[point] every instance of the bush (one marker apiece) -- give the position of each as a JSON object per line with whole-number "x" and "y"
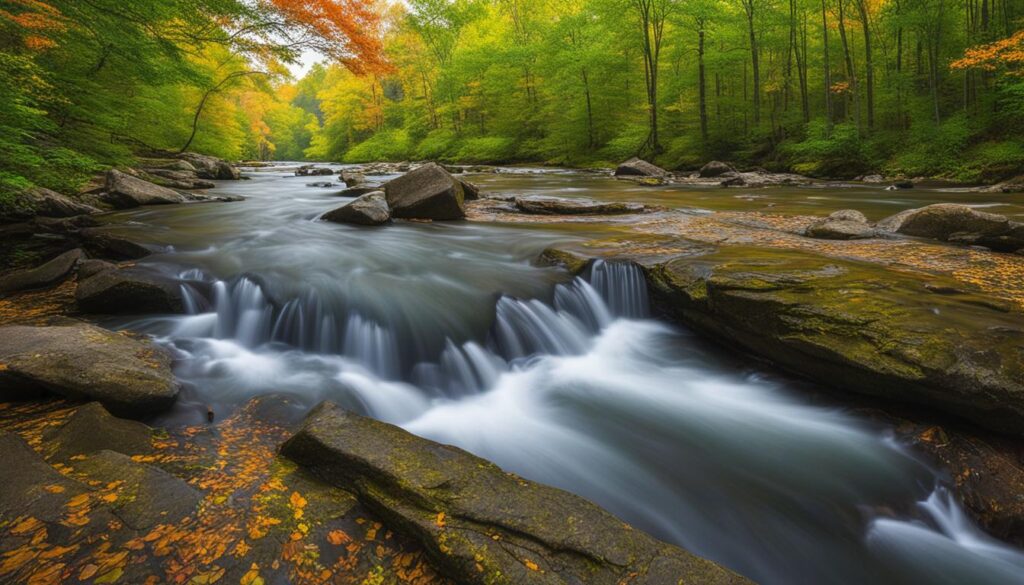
{"x": 933, "y": 149}
{"x": 438, "y": 145}
{"x": 836, "y": 153}
{"x": 386, "y": 145}
{"x": 487, "y": 149}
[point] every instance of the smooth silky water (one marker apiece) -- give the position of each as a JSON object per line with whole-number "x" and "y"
{"x": 451, "y": 331}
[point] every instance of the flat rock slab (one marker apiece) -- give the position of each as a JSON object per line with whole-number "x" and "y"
{"x": 42, "y": 276}
{"x": 544, "y": 205}
{"x": 147, "y": 496}
{"x": 481, "y": 524}
{"x": 90, "y": 429}
{"x": 128, "y": 375}
{"x": 857, "y": 327}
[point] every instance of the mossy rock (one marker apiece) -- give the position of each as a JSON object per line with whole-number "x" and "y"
{"x": 479, "y": 523}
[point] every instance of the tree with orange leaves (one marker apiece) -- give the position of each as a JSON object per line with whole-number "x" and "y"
{"x": 1005, "y": 54}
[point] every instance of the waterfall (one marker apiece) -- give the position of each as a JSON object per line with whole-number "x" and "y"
{"x": 241, "y": 311}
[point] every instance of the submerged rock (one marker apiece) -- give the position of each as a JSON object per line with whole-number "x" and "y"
{"x": 356, "y": 191}
{"x": 128, "y": 290}
{"x": 481, "y": 524}
{"x": 838, "y": 229}
{"x": 639, "y": 167}
{"x": 428, "y": 192}
{"x": 544, "y": 205}
{"x": 845, "y": 224}
{"x": 42, "y": 276}
{"x": 368, "y": 209}
{"x": 127, "y": 375}
{"x": 715, "y": 169}
{"x": 352, "y": 179}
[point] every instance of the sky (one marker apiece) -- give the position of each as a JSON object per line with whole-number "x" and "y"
{"x": 305, "y": 62}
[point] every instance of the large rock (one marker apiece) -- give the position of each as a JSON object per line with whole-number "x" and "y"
{"x": 848, "y": 215}
{"x": 210, "y": 167}
{"x": 544, "y": 205}
{"x": 356, "y": 191}
{"x": 99, "y": 242}
{"x": 369, "y": 209}
{"x": 715, "y": 169}
{"x": 856, "y": 327}
{"x": 351, "y": 179}
{"x": 428, "y": 192}
{"x": 90, "y": 429}
{"x": 470, "y": 191}
{"x": 31, "y": 487}
{"x": 1014, "y": 185}
{"x": 128, "y": 291}
{"x": 479, "y": 523}
{"x": 42, "y": 276}
{"x": 124, "y": 191}
{"x": 639, "y": 167}
{"x": 128, "y": 375}
{"x": 49, "y": 203}
{"x": 176, "y": 179}
{"x": 958, "y": 223}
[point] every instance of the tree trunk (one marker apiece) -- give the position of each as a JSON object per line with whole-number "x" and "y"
{"x": 828, "y": 71}
{"x": 701, "y": 85}
{"x": 869, "y": 75}
{"x": 748, "y": 6}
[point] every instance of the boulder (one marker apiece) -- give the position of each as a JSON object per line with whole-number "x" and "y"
{"x": 47, "y": 203}
{"x": 470, "y": 191}
{"x": 356, "y": 191}
{"x": 42, "y": 276}
{"x": 128, "y": 375}
{"x": 128, "y": 291}
{"x": 321, "y": 184}
{"x": 210, "y": 167}
{"x": 848, "y": 215}
{"x": 92, "y": 266}
{"x": 311, "y": 171}
{"x": 480, "y": 524}
{"x": 106, "y": 245}
{"x": 544, "y": 205}
{"x": 428, "y": 192}
{"x": 125, "y": 191}
{"x": 178, "y": 179}
{"x": 147, "y": 495}
{"x": 351, "y": 179}
{"x": 737, "y": 181}
{"x": 715, "y": 169}
{"x": 855, "y": 327}
{"x": 943, "y": 220}
{"x": 901, "y": 184}
{"x": 839, "y": 229}
{"x": 369, "y": 209}
{"x": 90, "y": 429}
{"x": 636, "y": 166}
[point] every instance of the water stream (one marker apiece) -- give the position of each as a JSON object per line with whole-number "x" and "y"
{"x": 450, "y": 331}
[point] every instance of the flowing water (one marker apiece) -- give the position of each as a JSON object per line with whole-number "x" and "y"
{"x": 451, "y": 331}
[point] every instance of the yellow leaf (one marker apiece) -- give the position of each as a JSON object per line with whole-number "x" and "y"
{"x": 252, "y": 577}
{"x": 87, "y": 572}
{"x": 337, "y": 537}
{"x": 531, "y": 565}
{"x": 54, "y": 489}
{"x": 109, "y": 577}
{"x": 209, "y": 577}
{"x": 109, "y": 498}
{"x": 440, "y": 520}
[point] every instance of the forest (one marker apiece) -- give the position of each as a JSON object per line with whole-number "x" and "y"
{"x": 829, "y": 88}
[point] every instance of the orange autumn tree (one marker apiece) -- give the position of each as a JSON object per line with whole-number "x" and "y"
{"x": 1005, "y": 54}
{"x": 347, "y": 31}
{"x": 31, "y": 22}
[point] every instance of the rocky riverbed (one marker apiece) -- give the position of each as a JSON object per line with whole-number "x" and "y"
{"x": 912, "y": 324}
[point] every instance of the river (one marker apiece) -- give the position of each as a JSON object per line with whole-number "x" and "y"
{"x": 451, "y": 331}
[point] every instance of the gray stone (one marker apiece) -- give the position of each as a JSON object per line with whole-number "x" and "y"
{"x": 42, "y": 276}
{"x": 715, "y": 169}
{"x": 636, "y": 166}
{"x": 369, "y": 209}
{"x": 128, "y": 291}
{"x": 838, "y": 229}
{"x": 128, "y": 375}
{"x": 90, "y": 429}
{"x": 125, "y": 191}
{"x": 428, "y": 192}
{"x": 481, "y": 524}
{"x": 544, "y": 205}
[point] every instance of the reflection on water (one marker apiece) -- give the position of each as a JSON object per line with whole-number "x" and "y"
{"x": 451, "y": 332}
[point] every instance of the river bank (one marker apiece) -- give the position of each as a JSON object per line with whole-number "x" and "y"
{"x": 274, "y": 302}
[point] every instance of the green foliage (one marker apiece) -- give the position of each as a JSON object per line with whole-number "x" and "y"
{"x": 388, "y": 145}
{"x": 836, "y": 151}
